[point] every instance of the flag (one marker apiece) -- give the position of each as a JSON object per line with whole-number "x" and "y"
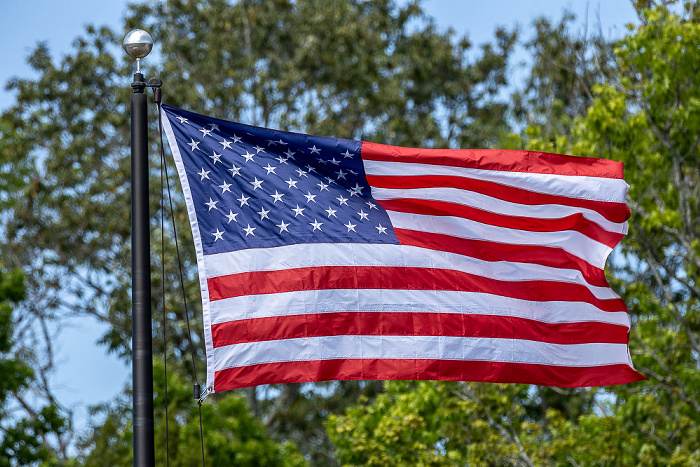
{"x": 329, "y": 259}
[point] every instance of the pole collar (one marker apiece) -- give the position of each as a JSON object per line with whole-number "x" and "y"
{"x": 139, "y": 83}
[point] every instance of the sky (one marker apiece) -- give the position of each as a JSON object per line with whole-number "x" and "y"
{"x": 86, "y": 375}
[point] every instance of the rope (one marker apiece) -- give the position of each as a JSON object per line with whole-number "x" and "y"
{"x": 182, "y": 285}
{"x": 162, "y": 274}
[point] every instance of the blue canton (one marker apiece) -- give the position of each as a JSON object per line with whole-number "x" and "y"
{"x": 255, "y": 187}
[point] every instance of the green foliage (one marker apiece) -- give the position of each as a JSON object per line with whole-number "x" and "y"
{"x": 23, "y": 439}
{"x": 649, "y": 120}
{"x": 566, "y": 66}
{"x": 232, "y": 436}
{"x": 437, "y": 423}
{"x": 14, "y": 374}
{"x": 441, "y": 423}
{"x": 395, "y": 429}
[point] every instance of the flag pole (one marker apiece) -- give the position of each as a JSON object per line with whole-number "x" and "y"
{"x": 138, "y": 44}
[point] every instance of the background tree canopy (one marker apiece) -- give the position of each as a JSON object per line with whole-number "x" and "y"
{"x": 388, "y": 76}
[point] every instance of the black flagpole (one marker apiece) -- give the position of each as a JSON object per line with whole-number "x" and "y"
{"x": 138, "y": 44}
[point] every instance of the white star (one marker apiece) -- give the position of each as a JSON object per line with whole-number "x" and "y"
{"x": 309, "y": 197}
{"x": 351, "y": 226}
{"x": 263, "y": 213}
{"x": 321, "y": 160}
{"x": 322, "y": 186}
{"x": 216, "y": 157}
{"x": 269, "y": 169}
{"x": 183, "y": 120}
{"x": 292, "y": 183}
{"x": 315, "y": 150}
{"x": 236, "y": 139}
{"x": 225, "y": 187}
{"x": 214, "y": 126}
{"x": 282, "y": 160}
{"x": 248, "y": 156}
{"x": 372, "y": 205}
{"x": 334, "y": 162}
{"x": 382, "y": 230}
{"x": 298, "y": 211}
{"x": 204, "y": 174}
{"x": 289, "y": 153}
{"x": 346, "y": 154}
{"x": 352, "y": 172}
{"x": 277, "y": 197}
{"x": 256, "y": 184}
{"x": 249, "y": 230}
{"x": 193, "y": 144}
{"x": 211, "y": 204}
{"x": 301, "y": 173}
{"x": 331, "y": 212}
{"x": 231, "y": 216}
{"x": 316, "y": 225}
{"x": 310, "y": 169}
{"x": 279, "y": 141}
{"x": 205, "y": 132}
{"x": 283, "y": 226}
{"x": 363, "y": 215}
{"x": 218, "y": 235}
{"x": 226, "y": 144}
{"x": 341, "y": 174}
{"x": 330, "y": 180}
{"x": 357, "y": 190}
{"x": 342, "y": 201}
{"x": 243, "y": 200}
{"x": 258, "y": 149}
{"x": 235, "y": 170}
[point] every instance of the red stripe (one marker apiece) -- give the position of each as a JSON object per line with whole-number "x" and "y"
{"x": 494, "y": 251}
{"x": 445, "y": 370}
{"x": 496, "y": 159}
{"x": 575, "y": 222}
{"x": 398, "y": 278}
{"x": 414, "y": 324}
{"x": 614, "y": 212}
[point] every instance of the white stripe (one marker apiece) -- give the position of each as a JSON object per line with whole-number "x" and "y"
{"x": 305, "y": 255}
{"x": 498, "y": 206}
{"x": 575, "y": 243}
{"x": 307, "y": 302}
{"x": 201, "y": 266}
{"x": 419, "y": 347}
{"x": 571, "y": 186}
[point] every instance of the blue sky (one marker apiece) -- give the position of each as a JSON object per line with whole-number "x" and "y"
{"x": 86, "y": 374}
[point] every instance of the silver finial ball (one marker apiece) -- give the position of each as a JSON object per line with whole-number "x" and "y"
{"x": 138, "y": 43}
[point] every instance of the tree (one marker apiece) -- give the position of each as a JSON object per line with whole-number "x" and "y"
{"x": 645, "y": 114}
{"x": 566, "y": 65}
{"x": 232, "y": 436}
{"x": 647, "y": 118}
{"x": 23, "y": 437}
{"x": 440, "y": 423}
{"x": 446, "y": 423}
{"x": 388, "y": 75}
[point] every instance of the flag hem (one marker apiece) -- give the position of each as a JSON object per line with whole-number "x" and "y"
{"x": 199, "y": 249}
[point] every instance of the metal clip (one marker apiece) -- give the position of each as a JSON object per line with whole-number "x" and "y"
{"x": 204, "y": 395}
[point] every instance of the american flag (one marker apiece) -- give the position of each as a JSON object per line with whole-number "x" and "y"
{"x": 329, "y": 259}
